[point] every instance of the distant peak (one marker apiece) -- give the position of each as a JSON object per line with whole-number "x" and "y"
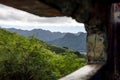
{"x": 69, "y": 35}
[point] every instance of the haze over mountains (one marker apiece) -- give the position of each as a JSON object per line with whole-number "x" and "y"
{"x": 70, "y": 40}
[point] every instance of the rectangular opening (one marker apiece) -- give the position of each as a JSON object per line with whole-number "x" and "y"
{"x": 35, "y": 54}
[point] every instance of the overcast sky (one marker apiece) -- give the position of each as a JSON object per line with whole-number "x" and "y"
{"x": 10, "y": 17}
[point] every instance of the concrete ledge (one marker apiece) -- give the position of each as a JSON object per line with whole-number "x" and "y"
{"x": 83, "y": 73}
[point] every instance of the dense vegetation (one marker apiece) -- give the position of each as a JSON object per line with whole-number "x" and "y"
{"x": 32, "y": 59}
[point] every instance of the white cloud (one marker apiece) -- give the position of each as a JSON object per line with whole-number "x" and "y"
{"x": 14, "y": 17}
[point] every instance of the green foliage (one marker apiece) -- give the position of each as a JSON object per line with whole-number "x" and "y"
{"x": 32, "y": 59}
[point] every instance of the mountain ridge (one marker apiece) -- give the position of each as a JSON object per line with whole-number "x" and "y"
{"x": 39, "y": 33}
{"x": 74, "y": 41}
{"x": 71, "y": 41}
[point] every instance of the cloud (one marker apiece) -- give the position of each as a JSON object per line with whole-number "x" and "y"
{"x": 12, "y": 16}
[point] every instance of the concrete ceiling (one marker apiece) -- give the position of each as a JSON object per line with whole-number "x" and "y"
{"x": 32, "y": 6}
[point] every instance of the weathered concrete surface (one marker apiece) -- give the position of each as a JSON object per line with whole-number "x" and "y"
{"x": 84, "y": 73}
{"x": 96, "y": 48}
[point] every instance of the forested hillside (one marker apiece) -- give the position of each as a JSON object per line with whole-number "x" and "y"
{"x": 24, "y": 58}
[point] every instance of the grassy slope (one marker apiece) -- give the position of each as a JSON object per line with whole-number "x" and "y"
{"x": 32, "y": 59}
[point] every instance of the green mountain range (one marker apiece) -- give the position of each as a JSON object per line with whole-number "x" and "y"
{"x": 44, "y": 35}
{"x": 29, "y": 58}
{"x": 70, "y": 40}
